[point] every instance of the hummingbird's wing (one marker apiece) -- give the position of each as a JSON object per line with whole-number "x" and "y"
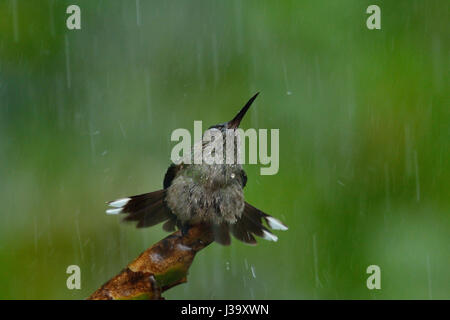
{"x": 171, "y": 173}
{"x": 147, "y": 209}
{"x": 244, "y": 178}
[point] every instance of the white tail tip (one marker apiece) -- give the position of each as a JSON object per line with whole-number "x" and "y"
{"x": 275, "y": 224}
{"x": 114, "y": 211}
{"x": 119, "y": 203}
{"x": 269, "y": 236}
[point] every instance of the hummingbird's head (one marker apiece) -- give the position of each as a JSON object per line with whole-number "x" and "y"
{"x": 234, "y": 123}
{"x": 217, "y": 136}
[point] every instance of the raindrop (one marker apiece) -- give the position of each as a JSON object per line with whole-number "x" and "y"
{"x": 386, "y": 178}
{"x": 215, "y": 59}
{"x": 286, "y": 81}
{"x": 316, "y": 264}
{"x": 416, "y": 167}
{"x": 77, "y": 228}
{"x": 138, "y": 13}
{"x": 15, "y": 21}
{"x": 429, "y": 278}
{"x": 253, "y": 272}
{"x": 68, "y": 76}
{"x": 122, "y": 130}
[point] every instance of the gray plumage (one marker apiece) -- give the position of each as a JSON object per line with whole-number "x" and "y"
{"x": 207, "y": 193}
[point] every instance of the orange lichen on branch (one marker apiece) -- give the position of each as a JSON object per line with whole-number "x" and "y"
{"x": 161, "y": 267}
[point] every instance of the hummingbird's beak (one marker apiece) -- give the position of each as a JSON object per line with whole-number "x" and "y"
{"x": 233, "y": 124}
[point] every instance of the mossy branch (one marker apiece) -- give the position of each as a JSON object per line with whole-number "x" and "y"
{"x": 157, "y": 269}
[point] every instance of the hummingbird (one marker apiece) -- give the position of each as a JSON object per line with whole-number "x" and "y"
{"x": 211, "y": 194}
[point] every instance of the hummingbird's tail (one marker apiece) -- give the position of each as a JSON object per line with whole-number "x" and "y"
{"x": 147, "y": 209}
{"x": 251, "y": 224}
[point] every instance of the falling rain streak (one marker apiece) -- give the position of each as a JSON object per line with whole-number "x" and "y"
{"x": 430, "y": 289}
{"x": 138, "y": 12}
{"x": 316, "y": 263}
{"x": 68, "y": 75}
{"x": 15, "y": 21}
{"x": 416, "y": 170}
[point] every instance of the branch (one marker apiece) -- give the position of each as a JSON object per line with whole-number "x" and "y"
{"x": 157, "y": 269}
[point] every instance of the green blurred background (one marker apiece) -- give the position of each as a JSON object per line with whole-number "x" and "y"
{"x": 86, "y": 116}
